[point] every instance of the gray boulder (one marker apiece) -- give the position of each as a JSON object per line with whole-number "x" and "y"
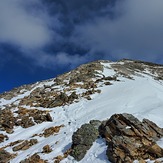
{"x": 83, "y": 139}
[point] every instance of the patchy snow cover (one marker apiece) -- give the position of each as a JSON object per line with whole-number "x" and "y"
{"x": 17, "y": 98}
{"x": 108, "y": 71}
{"x": 142, "y": 97}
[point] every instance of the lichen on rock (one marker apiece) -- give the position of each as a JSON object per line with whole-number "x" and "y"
{"x": 83, "y": 139}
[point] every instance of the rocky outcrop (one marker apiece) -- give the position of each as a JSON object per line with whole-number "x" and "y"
{"x": 59, "y": 158}
{"x": 83, "y": 73}
{"x": 52, "y": 130}
{"x": 3, "y": 138}
{"x": 46, "y": 149}
{"x": 39, "y": 98}
{"x": 16, "y": 91}
{"x": 23, "y": 117}
{"x": 129, "y": 139}
{"x": 25, "y": 145}
{"x": 7, "y": 120}
{"x": 33, "y": 159}
{"x": 83, "y": 139}
{"x": 5, "y": 156}
{"x": 127, "y": 68}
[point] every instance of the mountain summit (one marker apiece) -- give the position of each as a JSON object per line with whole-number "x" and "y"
{"x": 84, "y": 115}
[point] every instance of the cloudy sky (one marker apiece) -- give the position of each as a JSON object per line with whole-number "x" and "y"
{"x": 40, "y": 39}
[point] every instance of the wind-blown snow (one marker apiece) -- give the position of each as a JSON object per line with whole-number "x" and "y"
{"x": 142, "y": 97}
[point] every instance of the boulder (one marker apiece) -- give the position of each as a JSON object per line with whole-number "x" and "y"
{"x": 129, "y": 139}
{"x": 83, "y": 139}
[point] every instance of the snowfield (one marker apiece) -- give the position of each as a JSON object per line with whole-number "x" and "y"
{"x": 141, "y": 96}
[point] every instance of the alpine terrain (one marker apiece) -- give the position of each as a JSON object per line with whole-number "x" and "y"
{"x": 101, "y": 112}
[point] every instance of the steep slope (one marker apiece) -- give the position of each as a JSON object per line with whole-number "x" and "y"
{"x": 49, "y": 112}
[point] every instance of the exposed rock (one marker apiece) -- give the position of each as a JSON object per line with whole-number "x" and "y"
{"x": 73, "y": 96}
{"x": 63, "y": 99}
{"x": 52, "y": 130}
{"x": 5, "y": 156}
{"x": 107, "y": 83}
{"x": 34, "y": 159}
{"x": 25, "y": 145}
{"x": 83, "y": 139}
{"x": 39, "y": 118}
{"x": 24, "y": 117}
{"x": 59, "y": 158}
{"x": 42, "y": 99}
{"x": 88, "y": 97}
{"x": 25, "y": 122}
{"x": 129, "y": 139}
{"x": 16, "y": 91}
{"x": 110, "y": 78}
{"x": 3, "y": 138}
{"x": 46, "y": 149}
{"x": 85, "y": 72}
{"x": 7, "y": 120}
{"x": 37, "y": 115}
{"x": 15, "y": 142}
{"x": 48, "y": 117}
{"x": 48, "y": 96}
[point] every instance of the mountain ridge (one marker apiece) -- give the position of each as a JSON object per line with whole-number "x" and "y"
{"x": 45, "y": 114}
{"x": 97, "y": 61}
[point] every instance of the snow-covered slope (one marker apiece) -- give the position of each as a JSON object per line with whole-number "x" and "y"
{"x": 135, "y": 90}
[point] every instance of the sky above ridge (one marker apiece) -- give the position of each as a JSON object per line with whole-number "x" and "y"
{"x": 40, "y": 39}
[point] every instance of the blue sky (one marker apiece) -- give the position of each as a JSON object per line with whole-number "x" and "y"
{"x": 40, "y": 39}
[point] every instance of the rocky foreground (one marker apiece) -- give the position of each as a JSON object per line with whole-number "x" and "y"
{"x": 127, "y": 139}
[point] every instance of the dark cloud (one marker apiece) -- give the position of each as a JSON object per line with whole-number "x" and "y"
{"x": 57, "y": 33}
{"x": 136, "y": 32}
{"x": 43, "y": 30}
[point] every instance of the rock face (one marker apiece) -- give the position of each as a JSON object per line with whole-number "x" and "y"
{"x": 129, "y": 139}
{"x": 83, "y": 139}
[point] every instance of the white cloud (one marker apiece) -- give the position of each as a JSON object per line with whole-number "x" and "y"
{"x": 23, "y": 27}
